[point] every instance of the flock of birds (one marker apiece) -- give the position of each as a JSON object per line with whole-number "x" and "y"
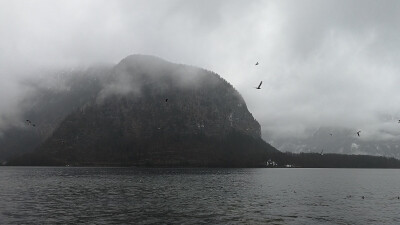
{"x": 363, "y": 197}
{"x": 166, "y": 100}
{"x": 259, "y": 87}
{"x": 350, "y": 196}
{"x": 29, "y": 122}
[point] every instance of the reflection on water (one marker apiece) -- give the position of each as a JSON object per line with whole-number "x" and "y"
{"x": 32, "y": 195}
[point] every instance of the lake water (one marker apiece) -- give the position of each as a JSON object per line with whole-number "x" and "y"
{"x": 31, "y": 195}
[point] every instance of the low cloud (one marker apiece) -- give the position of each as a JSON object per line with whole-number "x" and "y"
{"x": 322, "y": 63}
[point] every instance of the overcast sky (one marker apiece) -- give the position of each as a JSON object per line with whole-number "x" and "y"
{"x": 322, "y": 63}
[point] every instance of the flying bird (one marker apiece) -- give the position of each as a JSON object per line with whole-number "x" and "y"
{"x": 166, "y": 100}
{"x": 256, "y": 63}
{"x": 331, "y": 134}
{"x": 259, "y": 86}
{"x": 30, "y": 123}
{"x": 399, "y": 121}
{"x": 358, "y": 133}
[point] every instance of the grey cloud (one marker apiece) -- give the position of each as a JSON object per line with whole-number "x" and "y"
{"x": 323, "y": 63}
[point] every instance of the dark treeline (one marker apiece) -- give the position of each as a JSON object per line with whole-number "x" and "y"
{"x": 158, "y": 151}
{"x": 315, "y": 160}
{"x": 229, "y": 158}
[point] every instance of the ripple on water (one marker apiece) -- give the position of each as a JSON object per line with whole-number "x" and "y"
{"x": 198, "y": 196}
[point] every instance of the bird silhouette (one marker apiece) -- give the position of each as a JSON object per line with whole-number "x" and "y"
{"x": 399, "y": 121}
{"x": 166, "y": 100}
{"x": 331, "y": 134}
{"x": 259, "y": 86}
{"x": 30, "y": 123}
{"x": 256, "y": 63}
{"x": 358, "y": 133}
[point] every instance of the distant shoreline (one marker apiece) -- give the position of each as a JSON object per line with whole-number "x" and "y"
{"x": 277, "y": 160}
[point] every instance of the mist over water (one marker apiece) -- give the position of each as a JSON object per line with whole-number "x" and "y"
{"x": 198, "y": 196}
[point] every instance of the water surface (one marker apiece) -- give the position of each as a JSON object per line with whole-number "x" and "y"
{"x": 32, "y": 195}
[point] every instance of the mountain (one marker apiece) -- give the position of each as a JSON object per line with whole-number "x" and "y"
{"x": 342, "y": 141}
{"x": 51, "y": 99}
{"x": 148, "y": 111}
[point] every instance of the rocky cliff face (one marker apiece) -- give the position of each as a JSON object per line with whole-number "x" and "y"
{"x": 152, "y": 112}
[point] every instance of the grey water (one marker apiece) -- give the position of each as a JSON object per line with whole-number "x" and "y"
{"x": 67, "y": 195}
